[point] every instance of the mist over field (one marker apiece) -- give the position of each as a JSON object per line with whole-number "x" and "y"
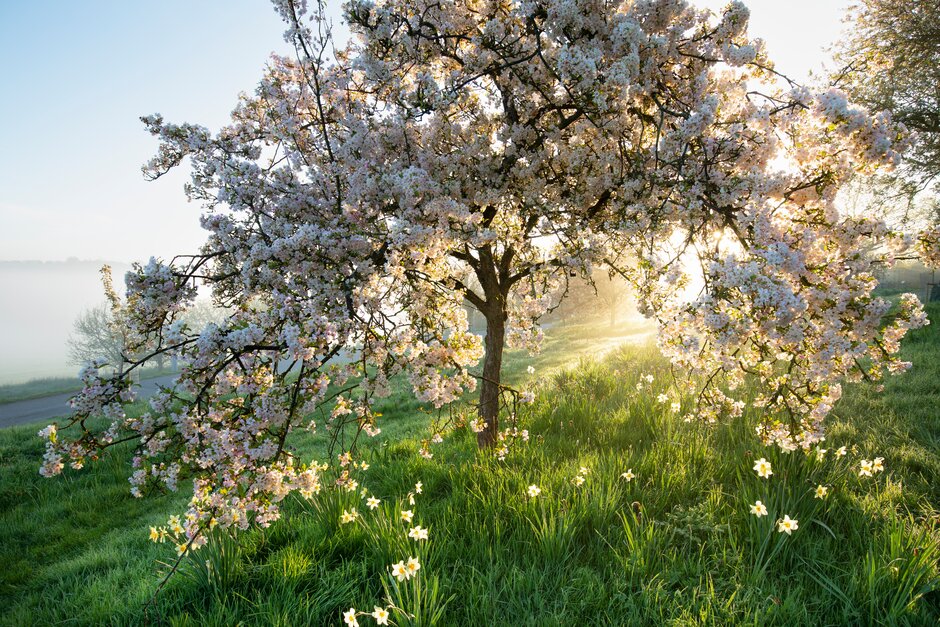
{"x": 40, "y": 301}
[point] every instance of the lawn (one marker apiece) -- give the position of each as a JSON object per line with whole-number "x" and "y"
{"x": 676, "y": 544}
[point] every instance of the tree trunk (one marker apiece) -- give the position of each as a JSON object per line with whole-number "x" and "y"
{"x": 492, "y": 366}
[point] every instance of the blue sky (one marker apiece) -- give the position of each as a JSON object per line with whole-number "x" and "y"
{"x": 76, "y": 76}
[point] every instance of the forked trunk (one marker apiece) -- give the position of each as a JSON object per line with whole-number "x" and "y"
{"x": 489, "y": 387}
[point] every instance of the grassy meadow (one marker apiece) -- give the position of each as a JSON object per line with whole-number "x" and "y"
{"x": 37, "y": 388}
{"x": 672, "y": 543}
{"x": 47, "y": 386}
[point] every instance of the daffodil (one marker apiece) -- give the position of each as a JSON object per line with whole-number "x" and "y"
{"x": 759, "y": 509}
{"x": 372, "y": 502}
{"x": 762, "y": 466}
{"x": 175, "y": 525}
{"x": 413, "y": 566}
{"x": 787, "y": 525}
{"x": 380, "y": 615}
{"x": 865, "y": 468}
{"x": 348, "y": 516}
{"x": 628, "y": 476}
{"x": 349, "y": 617}
{"x": 407, "y": 515}
{"x": 534, "y": 491}
{"x": 399, "y": 571}
{"x": 821, "y": 492}
{"x": 417, "y": 533}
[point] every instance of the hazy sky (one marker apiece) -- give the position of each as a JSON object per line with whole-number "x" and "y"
{"x": 78, "y": 75}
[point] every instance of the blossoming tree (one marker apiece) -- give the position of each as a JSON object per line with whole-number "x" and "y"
{"x": 481, "y": 152}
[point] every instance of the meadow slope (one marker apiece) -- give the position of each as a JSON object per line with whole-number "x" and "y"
{"x": 673, "y": 542}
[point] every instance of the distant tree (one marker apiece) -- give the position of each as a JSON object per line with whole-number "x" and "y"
{"x": 95, "y": 337}
{"x": 890, "y": 60}
{"x": 600, "y": 294}
{"x": 613, "y": 294}
{"x": 100, "y": 333}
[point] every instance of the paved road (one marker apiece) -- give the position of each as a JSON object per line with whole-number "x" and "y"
{"x": 50, "y": 407}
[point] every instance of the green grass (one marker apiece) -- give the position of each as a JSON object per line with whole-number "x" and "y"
{"x": 38, "y": 388}
{"x": 675, "y": 546}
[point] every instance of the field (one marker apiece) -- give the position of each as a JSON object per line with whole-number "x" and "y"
{"x": 675, "y": 544}
{"x": 38, "y": 388}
